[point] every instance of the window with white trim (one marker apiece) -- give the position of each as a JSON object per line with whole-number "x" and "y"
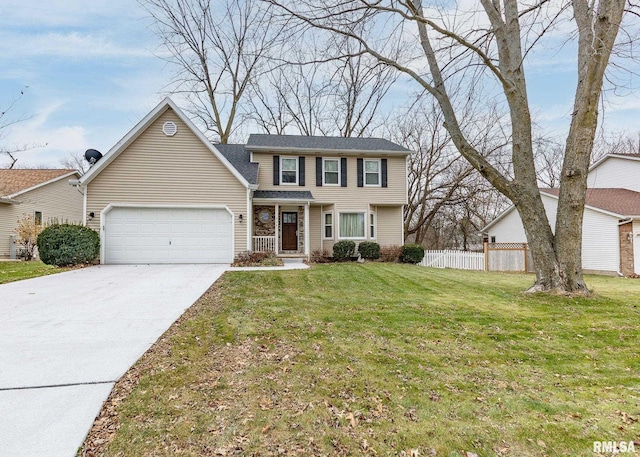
{"x": 372, "y": 226}
{"x": 352, "y": 225}
{"x": 289, "y": 170}
{"x": 372, "y": 172}
{"x": 37, "y": 217}
{"x": 327, "y": 226}
{"x": 330, "y": 172}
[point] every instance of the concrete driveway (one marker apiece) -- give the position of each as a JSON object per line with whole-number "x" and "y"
{"x": 66, "y": 338}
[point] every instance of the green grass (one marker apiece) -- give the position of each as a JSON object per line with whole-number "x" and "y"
{"x": 384, "y": 359}
{"x": 15, "y": 271}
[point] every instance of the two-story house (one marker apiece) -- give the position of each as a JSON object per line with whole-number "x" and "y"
{"x": 611, "y": 224}
{"x": 166, "y": 194}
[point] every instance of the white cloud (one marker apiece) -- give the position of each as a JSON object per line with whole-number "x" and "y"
{"x": 68, "y": 45}
{"x": 64, "y": 13}
{"x": 47, "y": 143}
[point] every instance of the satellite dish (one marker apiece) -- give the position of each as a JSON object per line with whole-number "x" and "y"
{"x": 92, "y": 156}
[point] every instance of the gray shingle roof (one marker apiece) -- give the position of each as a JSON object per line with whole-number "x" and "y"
{"x": 323, "y": 143}
{"x": 240, "y": 158}
{"x": 284, "y": 194}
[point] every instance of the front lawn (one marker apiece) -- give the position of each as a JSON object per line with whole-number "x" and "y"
{"x": 383, "y": 359}
{"x": 15, "y": 271}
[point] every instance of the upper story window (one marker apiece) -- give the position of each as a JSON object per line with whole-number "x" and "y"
{"x": 372, "y": 172}
{"x": 331, "y": 172}
{"x": 289, "y": 170}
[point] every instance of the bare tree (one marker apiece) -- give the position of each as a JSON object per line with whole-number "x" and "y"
{"x": 312, "y": 93}
{"x": 75, "y": 161}
{"x": 438, "y": 46}
{"x": 548, "y": 155}
{"x": 443, "y": 187}
{"x": 218, "y": 47}
{"x": 7, "y": 120}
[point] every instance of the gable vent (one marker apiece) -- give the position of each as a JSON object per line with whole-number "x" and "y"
{"x": 169, "y": 128}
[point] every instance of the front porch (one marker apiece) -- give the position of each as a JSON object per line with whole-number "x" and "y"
{"x": 281, "y": 225}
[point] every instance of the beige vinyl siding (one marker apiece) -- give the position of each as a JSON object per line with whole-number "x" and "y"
{"x": 395, "y": 193}
{"x": 160, "y": 170}
{"x": 389, "y": 226}
{"x": 6, "y": 228}
{"x": 347, "y": 199}
{"x": 315, "y": 228}
{"x": 58, "y": 202}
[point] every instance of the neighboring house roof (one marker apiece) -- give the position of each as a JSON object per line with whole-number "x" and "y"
{"x": 15, "y": 182}
{"x": 283, "y": 194}
{"x": 135, "y": 132}
{"x": 622, "y": 202}
{"x": 294, "y": 143}
{"x": 240, "y": 158}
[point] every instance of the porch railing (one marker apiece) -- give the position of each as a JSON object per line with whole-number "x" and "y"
{"x": 264, "y": 243}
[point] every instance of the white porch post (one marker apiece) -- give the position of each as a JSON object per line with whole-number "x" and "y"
{"x": 277, "y": 222}
{"x": 250, "y": 246}
{"x": 306, "y": 230}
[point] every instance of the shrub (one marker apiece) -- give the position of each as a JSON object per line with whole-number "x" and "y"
{"x": 343, "y": 250}
{"x": 27, "y": 231}
{"x": 390, "y": 253}
{"x": 257, "y": 259}
{"x": 68, "y": 244}
{"x": 412, "y": 253}
{"x": 369, "y": 250}
{"x": 320, "y": 256}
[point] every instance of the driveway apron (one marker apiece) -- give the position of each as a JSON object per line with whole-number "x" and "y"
{"x": 66, "y": 338}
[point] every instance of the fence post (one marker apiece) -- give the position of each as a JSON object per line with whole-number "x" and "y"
{"x": 486, "y": 255}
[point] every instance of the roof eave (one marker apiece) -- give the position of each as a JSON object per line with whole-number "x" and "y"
{"x": 282, "y": 200}
{"x": 42, "y": 184}
{"x": 289, "y": 150}
{"x": 141, "y": 126}
{"x": 592, "y": 208}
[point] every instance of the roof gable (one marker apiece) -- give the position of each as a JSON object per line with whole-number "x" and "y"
{"x": 630, "y": 156}
{"x": 303, "y": 143}
{"x": 620, "y": 203}
{"x": 146, "y": 122}
{"x": 14, "y": 182}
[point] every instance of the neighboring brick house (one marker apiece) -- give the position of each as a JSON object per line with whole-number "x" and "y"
{"x": 611, "y": 226}
{"x": 44, "y": 194}
{"x": 166, "y": 194}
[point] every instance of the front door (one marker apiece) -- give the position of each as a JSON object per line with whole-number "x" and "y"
{"x": 289, "y": 231}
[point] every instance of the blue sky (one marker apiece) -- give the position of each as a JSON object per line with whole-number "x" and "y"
{"x": 93, "y": 71}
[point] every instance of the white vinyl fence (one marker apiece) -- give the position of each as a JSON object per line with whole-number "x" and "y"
{"x": 461, "y": 260}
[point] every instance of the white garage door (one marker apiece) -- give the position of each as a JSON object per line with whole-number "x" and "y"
{"x": 168, "y": 235}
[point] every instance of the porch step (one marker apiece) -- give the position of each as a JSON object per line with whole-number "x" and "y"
{"x": 291, "y": 260}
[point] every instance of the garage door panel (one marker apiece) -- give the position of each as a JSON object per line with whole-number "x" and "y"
{"x": 168, "y": 235}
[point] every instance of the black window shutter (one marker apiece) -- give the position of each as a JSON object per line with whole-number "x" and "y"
{"x": 276, "y": 170}
{"x": 319, "y": 171}
{"x": 360, "y": 173}
{"x": 301, "y": 171}
{"x": 343, "y": 172}
{"x": 384, "y": 172}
